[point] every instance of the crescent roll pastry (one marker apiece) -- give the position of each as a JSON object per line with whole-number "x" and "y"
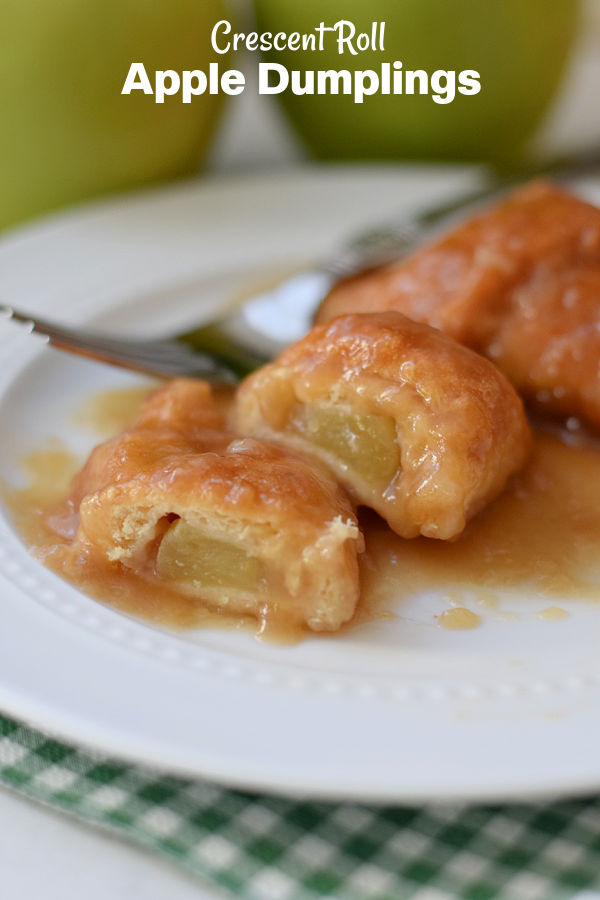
{"x": 518, "y": 283}
{"x": 184, "y": 405}
{"x": 549, "y": 344}
{"x": 414, "y": 425}
{"x": 247, "y": 526}
{"x": 462, "y": 283}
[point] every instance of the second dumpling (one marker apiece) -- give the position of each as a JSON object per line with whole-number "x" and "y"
{"x": 417, "y": 427}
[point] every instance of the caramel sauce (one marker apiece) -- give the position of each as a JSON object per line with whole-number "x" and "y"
{"x": 109, "y": 412}
{"x": 553, "y": 613}
{"x": 540, "y": 538}
{"x": 459, "y": 618}
{"x": 48, "y": 471}
{"x": 106, "y": 413}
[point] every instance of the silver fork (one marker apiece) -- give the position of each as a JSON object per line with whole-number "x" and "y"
{"x": 230, "y": 347}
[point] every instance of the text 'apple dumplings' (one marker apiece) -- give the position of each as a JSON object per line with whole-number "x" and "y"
{"x": 247, "y": 526}
{"x": 415, "y": 426}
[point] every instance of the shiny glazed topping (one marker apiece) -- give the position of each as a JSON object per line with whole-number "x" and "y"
{"x": 518, "y": 282}
{"x": 459, "y": 618}
{"x": 458, "y": 425}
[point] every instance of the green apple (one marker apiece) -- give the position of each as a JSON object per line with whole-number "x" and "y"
{"x": 519, "y": 47}
{"x": 67, "y": 132}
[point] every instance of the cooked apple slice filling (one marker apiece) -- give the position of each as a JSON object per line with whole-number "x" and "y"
{"x": 187, "y": 555}
{"x": 366, "y": 444}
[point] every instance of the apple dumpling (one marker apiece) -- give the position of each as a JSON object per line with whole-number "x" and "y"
{"x": 519, "y": 283}
{"x": 246, "y": 526}
{"x": 415, "y": 426}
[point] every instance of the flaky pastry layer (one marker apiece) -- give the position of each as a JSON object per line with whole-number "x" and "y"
{"x": 282, "y": 512}
{"x": 458, "y": 425}
{"x": 518, "y": 283}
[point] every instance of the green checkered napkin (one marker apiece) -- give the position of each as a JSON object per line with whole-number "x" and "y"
{"x": 266, "y": 848}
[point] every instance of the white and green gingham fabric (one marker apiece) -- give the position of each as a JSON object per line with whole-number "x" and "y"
{"x": 268, "y": 848}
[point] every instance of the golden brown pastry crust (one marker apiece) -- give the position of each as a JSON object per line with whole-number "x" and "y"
{"x": 184, "y": 405}
{"x": 460, "y": 426}
{"x": 516, "y": 283}
{"x": 265, "y": 499}
{"x": 549, "y": 343}
{"x": 461, "y": 283}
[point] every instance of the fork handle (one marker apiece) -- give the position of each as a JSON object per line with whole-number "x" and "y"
{"x": 231, "y": 355}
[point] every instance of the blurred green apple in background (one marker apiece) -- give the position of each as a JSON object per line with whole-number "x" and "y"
{"x": 67, "y": 133}
{"x": 519, "y": 47}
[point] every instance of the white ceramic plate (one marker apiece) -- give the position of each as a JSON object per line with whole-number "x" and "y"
{"x": 395, "y": 711}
